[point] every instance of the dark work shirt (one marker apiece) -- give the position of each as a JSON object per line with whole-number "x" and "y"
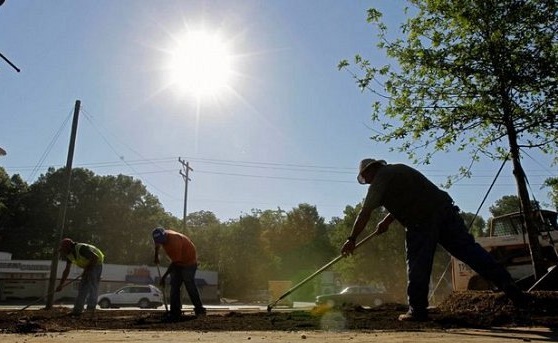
{"x": 405, "y": 193}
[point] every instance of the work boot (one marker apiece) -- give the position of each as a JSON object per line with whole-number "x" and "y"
{"x": 201, "y": 312}
{"x": 519, "y": 298}
{"x": 413, "y": 316}
{"x": 91, "y": 313}
{"x": 170, "y": 318}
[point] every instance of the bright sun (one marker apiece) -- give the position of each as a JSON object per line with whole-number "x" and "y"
{"x": 200, "y": 64}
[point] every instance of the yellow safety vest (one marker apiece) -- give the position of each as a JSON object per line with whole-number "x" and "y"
{"x": 81, "y": 261}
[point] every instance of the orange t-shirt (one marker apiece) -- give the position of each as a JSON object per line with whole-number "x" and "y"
{"x": 180, "y": 249}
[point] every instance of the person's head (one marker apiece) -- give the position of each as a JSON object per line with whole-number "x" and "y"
{"x": 159, "y": 235}
{"x": 367, "y": 169}
{"x": 66, "y": 245}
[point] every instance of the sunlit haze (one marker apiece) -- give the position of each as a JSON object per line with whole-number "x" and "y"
{"x": 200, "y": 63}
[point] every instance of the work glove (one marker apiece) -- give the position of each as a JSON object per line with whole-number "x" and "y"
{"x": 348, "y": 247}
{"x": 382, "y": 226}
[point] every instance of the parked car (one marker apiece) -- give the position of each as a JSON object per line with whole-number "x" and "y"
{"x": 355, "y": 295}
{"x": 143, "y": 296}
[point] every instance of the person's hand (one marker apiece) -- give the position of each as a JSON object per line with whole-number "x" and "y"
{"x": 348, "y": 247}
{"x": 382, "y": 227}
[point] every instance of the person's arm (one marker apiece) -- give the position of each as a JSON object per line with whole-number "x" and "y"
{"x": 371, "y": 202}
{"x": 359, "y": 225}
{"x": 383, "y": 226}
{"x": 64, "y": 276}
{"x": 167, "y": 272}
{"x": 156, "y": 258}
{"x": 169, "y": 269}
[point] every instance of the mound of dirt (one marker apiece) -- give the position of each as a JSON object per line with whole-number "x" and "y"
{"x": 459, "y": 310}
{"x": 488, "y": 309}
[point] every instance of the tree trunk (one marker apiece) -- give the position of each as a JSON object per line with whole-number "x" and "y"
{"x": 525, "y": 201}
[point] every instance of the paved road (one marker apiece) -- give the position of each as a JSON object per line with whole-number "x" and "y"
{"x": 186, "y": 308}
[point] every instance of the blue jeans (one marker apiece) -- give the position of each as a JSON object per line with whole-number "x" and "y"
{"x": 88, "y": 288}
{"x": 186, "y": 275}
{"x": 448, "y": 229}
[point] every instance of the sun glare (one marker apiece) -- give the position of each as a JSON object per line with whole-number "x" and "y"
{"x": 200, "y": 64}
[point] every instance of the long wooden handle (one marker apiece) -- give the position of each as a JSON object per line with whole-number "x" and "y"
{"x": 316, "y": 273}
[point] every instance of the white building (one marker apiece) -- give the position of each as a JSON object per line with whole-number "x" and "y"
{"x": 28, "y": 279}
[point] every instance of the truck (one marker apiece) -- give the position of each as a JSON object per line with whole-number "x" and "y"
{"x": 507, "y": 241}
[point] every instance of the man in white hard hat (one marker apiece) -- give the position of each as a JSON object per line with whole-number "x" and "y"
{"x": 430, "y": 218}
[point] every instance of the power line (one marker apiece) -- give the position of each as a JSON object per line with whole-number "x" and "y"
{"x": 131, "y": 163}
{"x": 239, "y": 168}
{"x": 90, "y": 119}
{"x": 48, "y": 148}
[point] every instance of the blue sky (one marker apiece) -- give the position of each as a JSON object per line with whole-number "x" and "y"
{"x": 288, "y": 128}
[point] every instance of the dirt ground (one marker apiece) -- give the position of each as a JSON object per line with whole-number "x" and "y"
{"x": 472, "y": 316}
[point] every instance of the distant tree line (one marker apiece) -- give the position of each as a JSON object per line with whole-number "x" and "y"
{"x": 117, "y": 214}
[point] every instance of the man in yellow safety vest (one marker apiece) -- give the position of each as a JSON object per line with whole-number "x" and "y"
{"x": 90, "y": 258}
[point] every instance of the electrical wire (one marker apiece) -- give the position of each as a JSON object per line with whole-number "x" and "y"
{"x": 48, "y": 149}
{"x": 90, "y": 119}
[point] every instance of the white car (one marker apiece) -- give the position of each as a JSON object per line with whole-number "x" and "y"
{"x": 356, "y": 295}
{"x": 143, "y": 296}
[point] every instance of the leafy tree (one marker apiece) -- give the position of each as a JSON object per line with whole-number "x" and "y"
{"x": 297, "y": 239}
{"x": 244, "y": 267}
{"x": 308, "y": 249}
{"x": 115, "y": 213}
{"x": 504, "y": 205}
{"x": 206, "y": 232}
{"x": 106, "y": 211}
{"x": 475, "y": 224}
{"x": 12, "y": 192}
{"x": 479, "y": 75}
{"x": 553, "y": 184}
{"x": 38, "y": 235}
{"x": 380, "y": 261}
{"x": 12, "y": 189}
{"x": 201, "y": 219}
{"x": 272, "y": 222}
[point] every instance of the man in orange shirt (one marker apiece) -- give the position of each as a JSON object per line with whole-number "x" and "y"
{"x": 182, "y": 253}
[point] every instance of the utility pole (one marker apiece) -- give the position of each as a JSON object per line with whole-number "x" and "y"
{"x": 62, "y": 213}
{"x": 184, "y": 172}
{"x": 8, "y": 61}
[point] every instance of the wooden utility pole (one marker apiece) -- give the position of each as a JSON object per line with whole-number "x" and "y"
{"x": 62, "y": 213}
{"x": 9, "y": 62}
{"x": 184, "y": 172}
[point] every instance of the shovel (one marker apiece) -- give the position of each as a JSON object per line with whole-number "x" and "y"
{"x": 44, "y": 297}
{"x": 164, "y": 296}
{"x": 329, "y": 264}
